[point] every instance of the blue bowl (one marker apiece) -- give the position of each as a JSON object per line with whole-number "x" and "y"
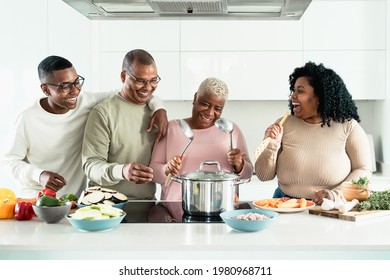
{"x": 248, "y": 225}
{"x": 95, "y": 225}
{"x": 117, "y": 205}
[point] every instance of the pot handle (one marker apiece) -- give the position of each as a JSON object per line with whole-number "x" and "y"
{"x": 210, "y": 162}
{"x": 177, "y": 179}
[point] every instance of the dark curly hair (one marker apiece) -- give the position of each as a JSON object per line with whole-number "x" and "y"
{"x": 50, "y": 64}
{"x": 335, "y": 102}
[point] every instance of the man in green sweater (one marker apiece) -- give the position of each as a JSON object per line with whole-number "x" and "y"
{"x": 116, "y": 147}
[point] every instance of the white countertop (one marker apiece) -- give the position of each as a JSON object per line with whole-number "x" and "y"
{"x": 291, "y": 236}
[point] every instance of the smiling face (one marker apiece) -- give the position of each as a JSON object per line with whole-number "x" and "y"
{"x": 57, "y": 101}
{"x": 133, "y": 89}
{"x": 305, "y": 102}
{"x": 206, "y": 110}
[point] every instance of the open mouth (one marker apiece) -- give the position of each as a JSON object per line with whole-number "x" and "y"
{"x": 71, "y": 100}
{"x": 143, "y": 94}
{"x": 296, "y": 107}
{"x": 205, "y": 121}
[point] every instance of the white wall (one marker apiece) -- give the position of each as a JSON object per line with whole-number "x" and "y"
{"x": 382, "y": 109}
{"x": 30, "y": 31}
{"x": 253, "y": 57}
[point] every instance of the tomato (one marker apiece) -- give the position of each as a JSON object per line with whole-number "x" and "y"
{"x": 47, "y": 192}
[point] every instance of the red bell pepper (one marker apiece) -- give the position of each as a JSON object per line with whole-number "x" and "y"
{"x": 47, "y": 192}
{"x": 24, "y": 211}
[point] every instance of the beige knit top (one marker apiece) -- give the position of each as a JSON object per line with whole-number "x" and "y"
{"x": 313, "y": 156}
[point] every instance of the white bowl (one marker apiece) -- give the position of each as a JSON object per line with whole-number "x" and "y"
{"x": 251, "y": 225}
{"x": 53, "y": 214}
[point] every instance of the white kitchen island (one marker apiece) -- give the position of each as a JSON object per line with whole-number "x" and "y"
{"x": 291, "y": 236}
{"x": 299, "y": 236}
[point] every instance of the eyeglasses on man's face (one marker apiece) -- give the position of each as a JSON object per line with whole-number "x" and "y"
{"x": 67, "y": 87}
{"x": 141, "y": 82}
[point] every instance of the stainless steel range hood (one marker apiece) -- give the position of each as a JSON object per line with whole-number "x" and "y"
{"x": 195, "y": 9}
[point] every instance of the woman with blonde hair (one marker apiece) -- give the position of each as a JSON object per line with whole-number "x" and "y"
{"x": 210, "y": 143}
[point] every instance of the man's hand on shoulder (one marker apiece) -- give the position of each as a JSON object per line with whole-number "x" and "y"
{"x": 160, "y": 119}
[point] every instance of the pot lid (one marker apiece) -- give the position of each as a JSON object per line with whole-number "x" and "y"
{"x": 203, "y": 175}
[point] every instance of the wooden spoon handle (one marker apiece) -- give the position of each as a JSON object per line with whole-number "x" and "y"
{"x": 168, "y": 180}
{"x": 266, "y": 141}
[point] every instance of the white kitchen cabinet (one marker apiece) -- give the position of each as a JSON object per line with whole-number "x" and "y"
{"x": 249, "y": 75}
{"x": 153, "y": 36}
{"x": 363, "y": 72}
{"x": 68, "y": 36}
{"x": 23, "y": 45}
{"x": 111, "y": 40}
{"x": 345, "y": 25}
{"x": 255, "y": 58}
{"x": 245, "y": 35}
{"x": 23, "y": 29}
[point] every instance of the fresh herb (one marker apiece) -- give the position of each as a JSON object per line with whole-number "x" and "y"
{"x": 377, "y": 201}
{"x": 362, "y": 182}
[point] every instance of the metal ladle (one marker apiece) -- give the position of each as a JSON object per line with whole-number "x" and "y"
{"x": 190, "y": 135}
{"x": 226, "y": 126}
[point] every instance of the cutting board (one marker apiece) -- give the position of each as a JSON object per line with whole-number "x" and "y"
{"x": 353, "y": 216}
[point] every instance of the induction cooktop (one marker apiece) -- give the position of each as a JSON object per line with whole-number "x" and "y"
{"x": 151, "y": 211}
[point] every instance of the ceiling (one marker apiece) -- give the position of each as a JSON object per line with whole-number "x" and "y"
{"x": 195, "y": 9}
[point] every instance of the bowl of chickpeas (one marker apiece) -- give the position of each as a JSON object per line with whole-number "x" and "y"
{"x": 249, "y": 220}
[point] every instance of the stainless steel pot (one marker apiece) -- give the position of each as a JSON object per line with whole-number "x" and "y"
{"x": 208, "y": 193}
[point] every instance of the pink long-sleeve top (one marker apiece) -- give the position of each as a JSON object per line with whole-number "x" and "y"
{"x": 208, "y": 144}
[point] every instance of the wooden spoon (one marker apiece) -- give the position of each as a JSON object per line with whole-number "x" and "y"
{"x": 266, "y": 141}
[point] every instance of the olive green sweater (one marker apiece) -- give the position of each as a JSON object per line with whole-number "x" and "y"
{"x": 310, "y": 156}
{"x": 115, "y": 134}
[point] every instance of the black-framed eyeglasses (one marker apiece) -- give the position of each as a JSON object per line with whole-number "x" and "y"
{"x": 67, "y": 87}
{"x": 141, "y": 82}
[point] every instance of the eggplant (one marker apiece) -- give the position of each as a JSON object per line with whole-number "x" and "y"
{"x": 119, "y": 197}
{"x": 106, "y": 190}
{"x": 99, "y": 195}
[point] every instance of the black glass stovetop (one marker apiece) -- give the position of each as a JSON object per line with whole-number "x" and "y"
{"x": 145, "y": 211}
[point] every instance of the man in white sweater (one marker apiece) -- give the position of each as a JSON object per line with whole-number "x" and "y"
{"x": 46, "y": 149}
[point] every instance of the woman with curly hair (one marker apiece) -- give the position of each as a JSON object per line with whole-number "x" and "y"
{"x": 320, "y": 144}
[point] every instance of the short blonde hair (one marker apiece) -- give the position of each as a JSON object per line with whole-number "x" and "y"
{"x": 214, "y": 86}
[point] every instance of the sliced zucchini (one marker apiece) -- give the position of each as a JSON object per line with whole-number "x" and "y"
{"x": 92, "y": 214}
{"x": 108, "y": 202}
